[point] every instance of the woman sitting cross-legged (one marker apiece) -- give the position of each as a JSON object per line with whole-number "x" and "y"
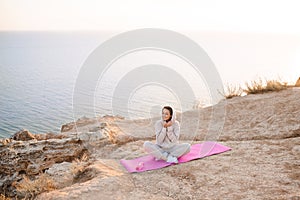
{"x": 167, "y": 132}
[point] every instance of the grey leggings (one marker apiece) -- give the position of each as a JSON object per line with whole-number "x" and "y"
{"x": 177, "y": 150}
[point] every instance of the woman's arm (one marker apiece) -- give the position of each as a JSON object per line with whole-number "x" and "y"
{"x": 160, "y": 132}
{"x": 173, "y": 135}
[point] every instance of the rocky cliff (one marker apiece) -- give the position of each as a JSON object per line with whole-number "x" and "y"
{"x": 82, "y": 162}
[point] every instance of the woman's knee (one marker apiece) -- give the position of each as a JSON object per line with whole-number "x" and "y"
{"x": 147, "y": 144}
{"x": 187, "y": 146}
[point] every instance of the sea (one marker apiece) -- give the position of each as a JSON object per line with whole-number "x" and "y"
{"x": 38, "y": 76}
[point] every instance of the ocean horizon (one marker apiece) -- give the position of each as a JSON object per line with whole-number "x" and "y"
{"x": 38, "y": 74}
{"x": 39, "y": 71}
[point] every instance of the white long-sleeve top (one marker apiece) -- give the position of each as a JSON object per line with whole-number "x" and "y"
{"x": 167, "y": 137}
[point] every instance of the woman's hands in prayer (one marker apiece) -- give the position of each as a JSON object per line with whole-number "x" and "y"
{"x": 167, "y": 124}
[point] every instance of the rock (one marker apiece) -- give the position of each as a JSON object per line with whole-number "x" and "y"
{"x": 296, "y": 150}
{"x": 90, "y": 124}
{"x": 84, "y": 121}
{"x": 32, "y": 157}
{"x": 66, "y": 127}
{"x": 101, "y": 180}
{"x": 47, "y": 136}
{"x": 61, "y": 174}
{"x": 5, "y": 141}
{"x": 23, "y": 135}
{"x": 298, "y": 83}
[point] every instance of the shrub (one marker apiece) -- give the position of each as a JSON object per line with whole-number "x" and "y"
{"x": 31, "y": 188}
{"x": 275, "y": 85}
{"x": 232, "y": 91}
{"x": 260, "y": 86}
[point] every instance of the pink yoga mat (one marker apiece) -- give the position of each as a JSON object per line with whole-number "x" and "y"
{"x": 148, "y": 162}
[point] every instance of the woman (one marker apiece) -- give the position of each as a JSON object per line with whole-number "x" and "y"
{"x": 167, "y": 132}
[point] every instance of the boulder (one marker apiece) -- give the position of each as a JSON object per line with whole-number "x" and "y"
{"x": 298, "y": 83}
{"x": 29, "y": 157}
{"x": 23, "y": 135}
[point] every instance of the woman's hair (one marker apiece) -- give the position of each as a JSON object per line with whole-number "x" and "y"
{"x": 170, "y": 110}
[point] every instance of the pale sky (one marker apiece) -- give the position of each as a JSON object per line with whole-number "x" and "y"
{"x": 238, "y": 57}
{"x": 275, "y": 16}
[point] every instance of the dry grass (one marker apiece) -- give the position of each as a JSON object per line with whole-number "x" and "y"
{"x": 260, "y": 86}
{"x": 78, "y": 165}
{"x": 31, "y": 188}
{"x": 254, "y": 87}
{"x": 232, "y": 91}
{"x": 3, "y": 197}
{"x": 79, "y": 169}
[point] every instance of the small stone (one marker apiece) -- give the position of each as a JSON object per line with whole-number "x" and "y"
{"x": 66, "y": 127}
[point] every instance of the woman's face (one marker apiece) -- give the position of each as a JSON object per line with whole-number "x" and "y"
{"x": 166, "y": 114}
